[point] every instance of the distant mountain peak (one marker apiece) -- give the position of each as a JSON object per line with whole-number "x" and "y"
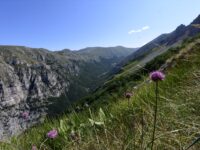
{"x": 197, "y": 20}
{"x": 180, "y": 27}
{"x": 163, "y": 42}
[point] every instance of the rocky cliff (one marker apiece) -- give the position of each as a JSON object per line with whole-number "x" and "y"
{"x": 30, "y": 77}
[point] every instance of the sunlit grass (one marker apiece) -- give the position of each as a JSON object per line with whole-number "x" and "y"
{"x": 125, "y": 126}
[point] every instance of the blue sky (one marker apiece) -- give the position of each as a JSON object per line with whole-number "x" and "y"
{"x": 75, "y": 24}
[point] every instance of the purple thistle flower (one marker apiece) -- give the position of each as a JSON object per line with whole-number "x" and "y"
{"x": 52, "y": 134}
{"x": 157, "y": 76}
{"x": 34, "y": 147}
{"x": 128, "y": 95}
{"x": 25, "y": 115}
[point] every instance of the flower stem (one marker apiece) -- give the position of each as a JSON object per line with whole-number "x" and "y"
{"x": 142, "y": 136}
{"x": 129, "y": 103}
{"x": 155, "y": 116}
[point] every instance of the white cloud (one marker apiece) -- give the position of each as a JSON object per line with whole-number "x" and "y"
{"x": 139, "y": 30}
{"x": 145, "y": 28}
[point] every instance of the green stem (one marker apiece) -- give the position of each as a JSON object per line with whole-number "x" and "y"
{"x": 155, "y": 116}
{"x": 105, "y": 130}
{"x": 43, "y": 143}
{"x": 90, "y": 112}
{"x": 134, "y": 135}
{"x": 142, "y": 136}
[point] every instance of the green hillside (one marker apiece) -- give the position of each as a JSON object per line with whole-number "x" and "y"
{"x": 106, "y": 121}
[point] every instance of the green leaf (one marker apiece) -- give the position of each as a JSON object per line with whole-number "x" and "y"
{"x": 91, "y": 121}
{"x": 98, "y": 123}
{"x": 102, "y": 115}
{"x": 62, "y": 127}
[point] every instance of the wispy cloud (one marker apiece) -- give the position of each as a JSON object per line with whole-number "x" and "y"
{"x": 139, "y": 30}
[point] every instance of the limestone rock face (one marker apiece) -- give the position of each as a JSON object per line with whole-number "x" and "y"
{"x": 25, "y": 87}
{"x": 29, "y": 78}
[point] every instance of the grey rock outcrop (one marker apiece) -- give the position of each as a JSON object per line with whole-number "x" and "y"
{"x": 30, "y": 77}
{"x": 26, "y": 88}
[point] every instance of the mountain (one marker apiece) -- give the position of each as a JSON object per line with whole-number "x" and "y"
{"x": 106, "y": 52}
{"x": 163, "y": 42}
{"x": 107, "y": 119}
{"x": 40, "y": 82}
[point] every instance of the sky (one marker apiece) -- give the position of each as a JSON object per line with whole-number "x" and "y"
{"x": 76, "y": 24}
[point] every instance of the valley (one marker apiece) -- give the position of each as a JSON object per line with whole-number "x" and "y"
{"x": 100, "y": 98}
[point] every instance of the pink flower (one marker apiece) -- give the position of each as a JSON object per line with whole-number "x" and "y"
{"x": 25, "y": 115}
{"x": 34, "y": 147}
{"x": 52, "y": 134}
{"x": 128, "y": 95}
{"x": 157, "y": 76}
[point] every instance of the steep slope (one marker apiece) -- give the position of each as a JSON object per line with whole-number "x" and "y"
{"x": 38, "y": 81}
{"x": 95, "y": 64}
{"x": 99, "y": 61}
{"x": 160, "y": 44}
{"x": 120, "y": 124}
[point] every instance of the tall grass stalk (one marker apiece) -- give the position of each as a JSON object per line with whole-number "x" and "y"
{"x": 97, "y": 138}
{"x": 142, "y": 134}
{"x": 193, "y": 143}
{"x": 105, "y": 131}
{"x": 43, "y": 143}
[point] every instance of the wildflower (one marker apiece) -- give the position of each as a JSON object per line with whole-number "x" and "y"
{"x": 52, "y": 134}
{"x": 128, "y": 95}
{"x": 25, "y": 115}
{"x": 157, "y": 76}
{"x": 34, "y": 147}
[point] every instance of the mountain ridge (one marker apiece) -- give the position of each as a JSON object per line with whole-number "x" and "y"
{"x": 43, "y": 82}
{"x": 108, "y": 119}
{"x": 163, "y": 42}
{"x": 32, "y": 80}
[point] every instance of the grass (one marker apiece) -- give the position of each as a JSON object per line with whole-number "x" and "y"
{"x": 110, "y": 123}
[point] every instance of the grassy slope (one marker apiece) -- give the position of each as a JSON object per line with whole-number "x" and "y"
{"x": 123, "y": 126}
